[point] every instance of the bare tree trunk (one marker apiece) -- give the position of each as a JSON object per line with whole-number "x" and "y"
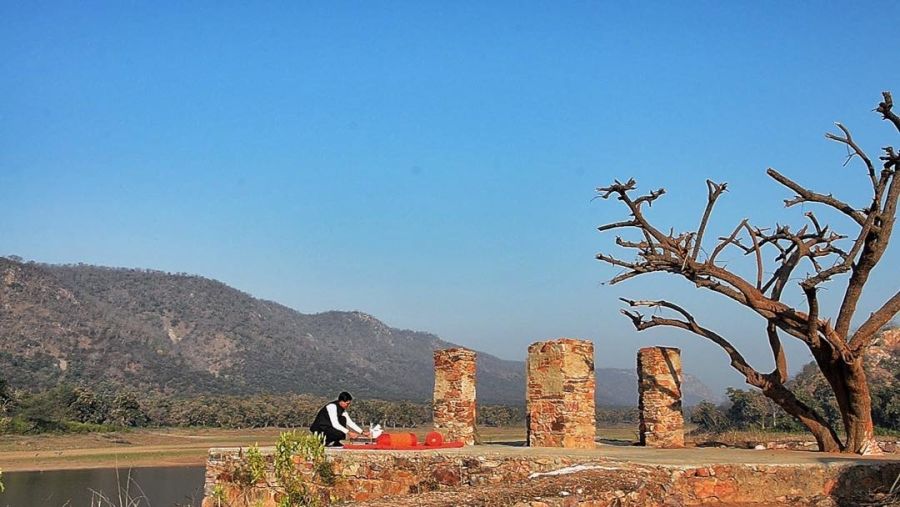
{"x": 851, "y": 391}
{"x": 856, "y": 410}
{"x": 861, "y": 432}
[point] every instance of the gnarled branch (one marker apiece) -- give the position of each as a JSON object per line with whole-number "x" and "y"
{"x": 740, "y": 364}
{"x": 804, "y": 195}
{"x": 857, "y": 151}
{"x": 885, "y": 108}
{"x": 714, "y": 190}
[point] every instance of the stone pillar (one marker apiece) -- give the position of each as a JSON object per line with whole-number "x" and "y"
{"x": 560, "y": 394}
{"x": 454, "y": 394}
{"x": 659, "y": 386}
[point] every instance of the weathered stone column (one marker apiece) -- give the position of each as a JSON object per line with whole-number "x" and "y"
{"x": 659, "y": 381}
{"x": 454, "y": 394}
{"x": 560, "y": 394}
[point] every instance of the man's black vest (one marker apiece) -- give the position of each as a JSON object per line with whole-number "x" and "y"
{"x": 323, "y": 422}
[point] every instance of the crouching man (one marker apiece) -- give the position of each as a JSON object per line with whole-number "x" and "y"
{"x": 334, "y": 423}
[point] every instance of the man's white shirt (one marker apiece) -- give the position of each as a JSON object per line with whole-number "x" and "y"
{"x": 333, "y": 416}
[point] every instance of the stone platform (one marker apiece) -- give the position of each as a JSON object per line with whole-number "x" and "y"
{"x": 689, "y": 476}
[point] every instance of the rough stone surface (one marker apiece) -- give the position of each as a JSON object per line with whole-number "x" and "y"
{"x": 472, "y": 476}
{"x": 659, "y": 378}
{"x": 890, "y": 339}
{"x": 454, "y": 394}
{"x": 560, "y": 394}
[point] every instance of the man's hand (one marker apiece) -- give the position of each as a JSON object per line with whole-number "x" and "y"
{"x": 351, "y": 435}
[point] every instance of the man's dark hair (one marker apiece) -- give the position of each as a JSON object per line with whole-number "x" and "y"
{"x": 345, "y": 396}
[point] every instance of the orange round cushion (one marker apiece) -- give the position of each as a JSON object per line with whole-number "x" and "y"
{"x": 396, "y": 440}
{"x": 434, "y": 438}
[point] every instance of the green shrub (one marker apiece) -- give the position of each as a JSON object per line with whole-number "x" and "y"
{"x": 15, "y": 426}
{"x": 311, "y": 448}
{"x": 256, "y": 464}
{"x": 80, "y": 427}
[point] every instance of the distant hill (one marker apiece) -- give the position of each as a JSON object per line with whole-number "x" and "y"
{"x": 619, "y": 388}
{"x": 183, "y": 334}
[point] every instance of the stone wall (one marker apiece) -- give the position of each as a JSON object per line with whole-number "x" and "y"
{"x": 362, "y": 476}
{"x": 659, "y": 387}
{"x": 454, "y": 394}
{"x": 560, "y": 394}
{"x": 368, "y": 475}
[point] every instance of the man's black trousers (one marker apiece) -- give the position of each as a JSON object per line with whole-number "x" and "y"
{"x": 333, "y": 437}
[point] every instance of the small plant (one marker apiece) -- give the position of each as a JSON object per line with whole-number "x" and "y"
{"x": 218, "y": 496}
{"x": 300, "y": 485}
{"x": 252, "y": 469}
{"x": 310, "y": 448}
{"x": 124, "y": 496}
{"x": 256, "y": 464}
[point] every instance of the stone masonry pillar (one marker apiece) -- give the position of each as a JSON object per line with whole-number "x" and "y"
{"x": 560, "y": 394}
{"x": 659, "y": 381}
{"x": 454, "y": 394}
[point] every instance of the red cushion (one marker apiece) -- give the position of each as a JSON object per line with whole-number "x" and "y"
{"x": 434, "y": 439}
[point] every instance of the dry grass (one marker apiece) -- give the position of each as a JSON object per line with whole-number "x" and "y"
{"x": 747, "y": 437}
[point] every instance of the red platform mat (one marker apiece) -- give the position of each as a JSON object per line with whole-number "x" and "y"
{"x": 380, "y": 447}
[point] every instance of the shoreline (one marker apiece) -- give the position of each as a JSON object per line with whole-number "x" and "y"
{"x": 142, "y": 448}
{"x": 148, "y": 447}
{"x": 90, "y": 459}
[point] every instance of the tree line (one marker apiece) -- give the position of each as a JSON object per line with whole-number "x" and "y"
{"x": 106, "y": 407}
{"x": 751, "y": 410}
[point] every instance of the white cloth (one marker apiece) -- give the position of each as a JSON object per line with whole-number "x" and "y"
{"x": 333, "y": 417}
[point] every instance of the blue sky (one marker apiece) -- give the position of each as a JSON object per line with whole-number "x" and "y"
{"x": 431, "y": 164}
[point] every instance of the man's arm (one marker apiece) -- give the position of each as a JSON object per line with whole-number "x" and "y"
{"x": 332, "y": 415}
{"x": 352, "y": 424}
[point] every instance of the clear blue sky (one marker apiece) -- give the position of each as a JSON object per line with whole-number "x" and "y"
{"x": 430, "y": 163}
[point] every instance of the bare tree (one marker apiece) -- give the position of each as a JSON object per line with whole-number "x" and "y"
{"x": 838, "y": 352}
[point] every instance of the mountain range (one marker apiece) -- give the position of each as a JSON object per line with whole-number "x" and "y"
{"x": 188, "y": 335}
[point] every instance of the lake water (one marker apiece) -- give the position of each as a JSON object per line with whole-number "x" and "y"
{"x": 147, "y": 487}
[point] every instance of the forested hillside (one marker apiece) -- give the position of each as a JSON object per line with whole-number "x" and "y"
{"x": 183, "y": 334}
{"x": 186, "y": 335}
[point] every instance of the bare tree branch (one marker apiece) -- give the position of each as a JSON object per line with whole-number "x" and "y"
{"x": 863, "y": 336}
{"x": 618, "y": 225}
{"x": 813, "y": 303}
{"x": 714, "y": 190}
{"x": 616, "y": 262}
{"x": 804, "y": 195}
{"x": 857, "y": 151}
{"x": 758, "y": 252}
{"x": 884, "y": 107}
{"x": 874, "y": 243}
{"x": 689, "y": 324}
{"x": 622, "y": 189}
{"x": 778, "y": 352}
{"x": 724, "y": 242}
